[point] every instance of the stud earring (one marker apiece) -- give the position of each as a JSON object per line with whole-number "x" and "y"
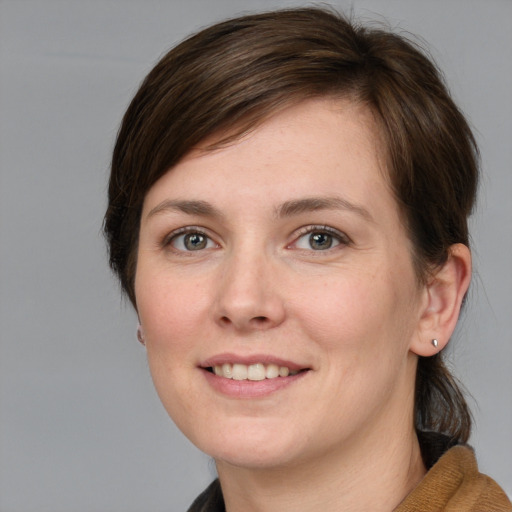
{"x": 435, "y": 343}
{"x": 140, "y": 335}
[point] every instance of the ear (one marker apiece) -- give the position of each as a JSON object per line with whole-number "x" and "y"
{"x": 443, "y": 300}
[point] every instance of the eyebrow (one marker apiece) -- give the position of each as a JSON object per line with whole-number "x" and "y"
{"x": 201, "y": 208}
{"x": 311, "y": 204}
{"x": 287, "y": 209}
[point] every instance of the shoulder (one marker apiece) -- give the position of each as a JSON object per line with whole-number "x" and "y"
{"x": 454, "y": 484}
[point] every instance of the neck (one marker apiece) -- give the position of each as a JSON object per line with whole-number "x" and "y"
{"x": 376, "y": 473}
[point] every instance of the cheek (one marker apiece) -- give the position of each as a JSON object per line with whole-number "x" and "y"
{"x": 358, "y": 312}
{"x": 172, "y": 315}
{"x": 171, "y": 310}
{"x": 338, "y": 309}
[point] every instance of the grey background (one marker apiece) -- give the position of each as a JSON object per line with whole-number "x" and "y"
{"x": 81, "y": 428}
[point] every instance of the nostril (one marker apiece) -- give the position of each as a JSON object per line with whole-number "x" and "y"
{"x": 258, "y": 322}
{"x": 245, "y": 320}
{"x": 225, "y": 320}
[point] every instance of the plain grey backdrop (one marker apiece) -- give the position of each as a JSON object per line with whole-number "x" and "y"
{"x": 81, "y": 428}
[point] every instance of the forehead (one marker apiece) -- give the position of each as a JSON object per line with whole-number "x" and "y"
{"x": 351, "y": 128}
{"x": 323, "y": 146}
{"x": 311, "y": 109}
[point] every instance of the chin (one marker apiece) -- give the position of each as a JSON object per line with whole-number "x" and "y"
{"x": 253, "y": 458}
{"x": 252, "y": 448}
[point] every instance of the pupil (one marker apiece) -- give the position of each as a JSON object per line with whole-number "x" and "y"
{"x": 195, "y": 241}
{"x": 320, "y": 241}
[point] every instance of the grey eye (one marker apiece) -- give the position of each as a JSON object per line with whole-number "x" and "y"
{"x": 320, "y": 241}
{"x": 193, "y": 241}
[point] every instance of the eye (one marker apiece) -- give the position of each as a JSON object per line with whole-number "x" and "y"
{"x": 320, "y": 239}
{"x": 191, "y": 241}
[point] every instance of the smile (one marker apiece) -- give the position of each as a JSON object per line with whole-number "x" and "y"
{"x": 254, "y": 372}
{"x": 251, "y": 377}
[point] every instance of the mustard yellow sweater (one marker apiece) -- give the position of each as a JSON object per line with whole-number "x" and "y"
{"x": 454, "y": 484}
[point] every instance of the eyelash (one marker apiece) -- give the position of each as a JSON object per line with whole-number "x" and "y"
{"x": 189, "y": 230}
{"x": 340, "y": 237}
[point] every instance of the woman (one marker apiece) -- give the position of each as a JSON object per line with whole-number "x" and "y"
{"x": 288, "y": 215}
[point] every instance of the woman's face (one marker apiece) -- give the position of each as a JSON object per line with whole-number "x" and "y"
{"x": 283, "y": 252}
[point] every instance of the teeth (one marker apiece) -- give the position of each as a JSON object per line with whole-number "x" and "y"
{"x": 272, "y": 371}
{"x": 227, "y": 371}
{"x": 255, "y": 372}
{"x": 239, "y": 372}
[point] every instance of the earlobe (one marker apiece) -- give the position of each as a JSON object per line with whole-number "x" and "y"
{"x": 140, "y": 335}
{"x": 445, "y": 292}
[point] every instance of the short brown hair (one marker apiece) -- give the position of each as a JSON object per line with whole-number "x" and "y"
{"x": 233, "y": 75}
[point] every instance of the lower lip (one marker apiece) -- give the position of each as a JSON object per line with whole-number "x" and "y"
{"x": 250, "y": 388}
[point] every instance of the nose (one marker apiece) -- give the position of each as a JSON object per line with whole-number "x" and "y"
{"x": 249, "y": 297}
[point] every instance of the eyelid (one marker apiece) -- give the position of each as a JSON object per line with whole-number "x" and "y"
{"x": 170, "y": 237}
{"x": 342, "y": 237}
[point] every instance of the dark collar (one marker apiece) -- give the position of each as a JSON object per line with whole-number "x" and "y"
{"x": 210, "y": 500}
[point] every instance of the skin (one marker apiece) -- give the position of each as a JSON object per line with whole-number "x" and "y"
{"x": 354, "y": 315}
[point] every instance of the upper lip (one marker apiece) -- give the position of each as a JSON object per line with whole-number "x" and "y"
{"x": 220, "y": 359}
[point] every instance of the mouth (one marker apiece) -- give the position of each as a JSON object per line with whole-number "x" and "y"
{"x": 251, "y": 377}
{"x": 253, "y": 372}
